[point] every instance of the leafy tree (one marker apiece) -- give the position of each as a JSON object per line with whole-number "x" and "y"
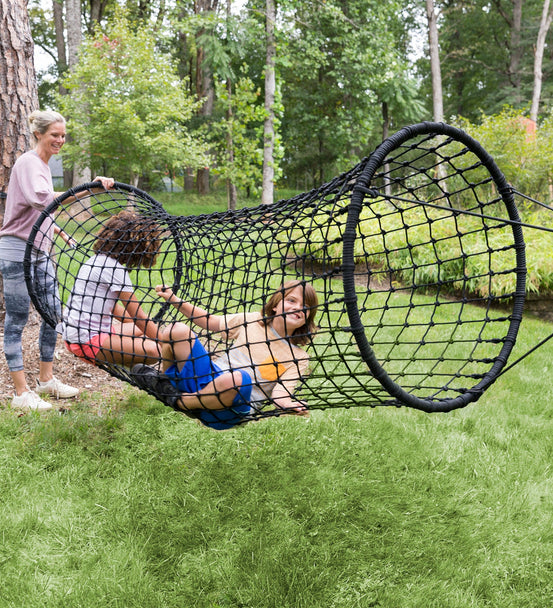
{"x": 343, "y": 70}
{"x": 57, "y": 27}
{"x": 228, "y": 43}
{"x": 128, "y": 105}
{"x": 487, "y": 55}
{"x": 244, "y": 166}
{"x": 335, "y": 57}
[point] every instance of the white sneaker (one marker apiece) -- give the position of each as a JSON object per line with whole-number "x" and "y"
{"x": 56, "y": 388}
{"x": 29, "y": 400}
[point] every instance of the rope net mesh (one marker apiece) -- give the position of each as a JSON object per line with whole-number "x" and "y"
{"x": 416, "y": 256}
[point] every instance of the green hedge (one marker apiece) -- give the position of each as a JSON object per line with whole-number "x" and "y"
{"x": 432, "y": 246}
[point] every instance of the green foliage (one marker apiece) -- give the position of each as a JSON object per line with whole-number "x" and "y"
{"x": 387, "y": 236}
{"x": 483, "y": 64}
{"x": 128, "y": 110}
{"x": 434, "y": 246}
{"x": 338, "y": 63}
{"x": 524, "y": 156}
{"x": 242, "y": 119}
{"x": 234, "y": 129}
{"x": 127, "y": 503}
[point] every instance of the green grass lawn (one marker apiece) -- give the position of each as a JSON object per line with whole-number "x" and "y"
{"x": 123, "y": 503}
{"x": 140, "y": 507}
{"x": 191, "y": 203}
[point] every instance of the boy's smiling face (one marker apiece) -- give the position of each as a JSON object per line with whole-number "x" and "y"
{"x": 291, "y": 311}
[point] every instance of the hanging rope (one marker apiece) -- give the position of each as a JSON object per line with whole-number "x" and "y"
{"x": 416, "y": 255}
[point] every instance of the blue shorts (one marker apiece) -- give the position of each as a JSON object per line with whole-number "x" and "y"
{"x": 197, "y": 372}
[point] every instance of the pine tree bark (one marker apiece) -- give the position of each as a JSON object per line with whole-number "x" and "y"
{"x": 18, "y": 87}
{"x": 18, "y": 90}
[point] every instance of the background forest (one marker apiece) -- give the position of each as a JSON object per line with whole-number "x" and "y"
{"x": 256, "y": 93}
{"x": 119, "y": 501}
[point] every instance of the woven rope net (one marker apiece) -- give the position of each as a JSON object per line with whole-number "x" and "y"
{"x": 416, "y": 254}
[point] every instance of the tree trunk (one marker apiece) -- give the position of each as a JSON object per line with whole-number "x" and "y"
{"x": 269, "y": 125}
{"x": 18, "y": 91}
{"x": 74, "y": 39}
{"x": 96, "y": 11}
{"x": 385, "y": 121}
{"x": 74, "y": 33}
{"x": 18, "y": 88}
{"x": 385, "y": 134}
{"x": 231, "y": 187}
{"x": 204, "y": 86}
{"x": 59, "y": 30}
{"x": 516, "y": 50}
{"x": 188, "y": 179}
{"x": 545, "y": 24}
{"x": 435, "y": 69}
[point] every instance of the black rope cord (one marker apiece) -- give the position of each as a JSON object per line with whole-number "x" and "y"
{"x": 416, "y": 254}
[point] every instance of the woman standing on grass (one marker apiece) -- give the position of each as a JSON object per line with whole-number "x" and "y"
{"x": 30, "y": 191}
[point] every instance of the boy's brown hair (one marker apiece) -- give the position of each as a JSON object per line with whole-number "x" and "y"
{"x": 302, "y": 335}
{"x": 131, "y": 239}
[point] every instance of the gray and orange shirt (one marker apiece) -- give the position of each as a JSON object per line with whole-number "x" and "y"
{"x": 255, "y": 347}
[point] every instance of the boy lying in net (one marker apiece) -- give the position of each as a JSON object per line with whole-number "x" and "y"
{"x": 263, "y": 358}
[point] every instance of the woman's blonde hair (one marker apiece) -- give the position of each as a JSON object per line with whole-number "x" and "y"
{"x": 302, "y": 335}
{"x": 40, "y": 121}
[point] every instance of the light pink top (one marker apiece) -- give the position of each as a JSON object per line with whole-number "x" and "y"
{"x": 30, "y": 190}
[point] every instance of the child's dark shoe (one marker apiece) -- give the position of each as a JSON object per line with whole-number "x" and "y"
{"x": 149, "y": 379}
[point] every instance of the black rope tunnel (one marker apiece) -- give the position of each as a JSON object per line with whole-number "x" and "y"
{"x": 417, "y": 256}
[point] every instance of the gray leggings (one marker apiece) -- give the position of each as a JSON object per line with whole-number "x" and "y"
{"x": 17, "y": 302}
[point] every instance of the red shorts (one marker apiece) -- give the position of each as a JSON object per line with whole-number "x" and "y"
{"x": 89, "y": 350}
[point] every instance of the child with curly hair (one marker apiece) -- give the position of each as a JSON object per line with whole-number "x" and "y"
{"x": 103, "y": 320}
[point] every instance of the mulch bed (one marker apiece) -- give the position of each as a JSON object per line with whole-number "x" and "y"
{"x": 67, "y": 367}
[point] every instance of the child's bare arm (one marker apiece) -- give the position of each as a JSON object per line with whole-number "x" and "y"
{"x": 283, "y": 391}
{"x": 120, "y": 314}
{"x": 134, "y": 312}
{"x": 198, "y": 315}
{"x": 284, "y": 400}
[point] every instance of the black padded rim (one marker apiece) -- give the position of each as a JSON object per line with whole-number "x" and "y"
{"x": 375, "y": 161}
{"x": 53, "y": 206}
